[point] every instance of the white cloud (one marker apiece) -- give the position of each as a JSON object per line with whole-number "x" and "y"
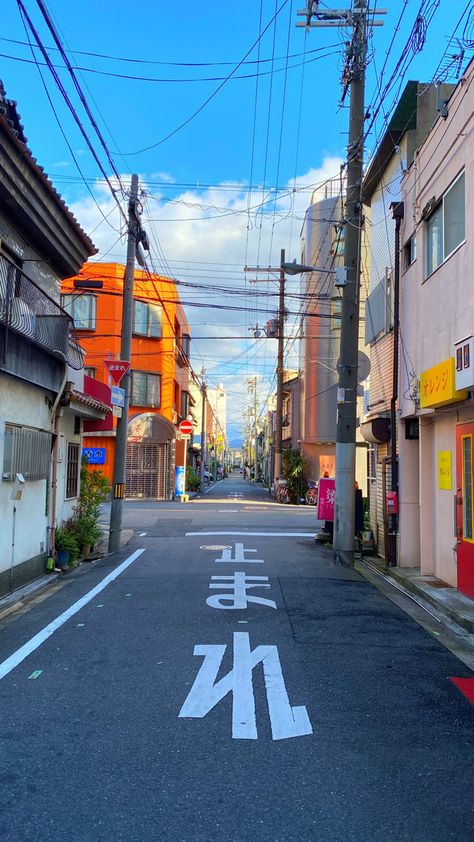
{"x": 207, "y": 236}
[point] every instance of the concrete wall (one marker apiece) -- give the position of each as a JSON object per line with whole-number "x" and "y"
{"x": 23, "y": 404}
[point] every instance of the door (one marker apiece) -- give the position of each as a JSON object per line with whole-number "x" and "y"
{"x": 464, "y": 508}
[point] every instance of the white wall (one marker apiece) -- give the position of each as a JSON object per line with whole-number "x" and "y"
{"x": 21, "y": 403}
{"x": 64, "y": 508}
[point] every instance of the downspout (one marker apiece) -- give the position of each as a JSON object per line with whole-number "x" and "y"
{"x": 55, "y": 415}
{"x": 397, "y": 209}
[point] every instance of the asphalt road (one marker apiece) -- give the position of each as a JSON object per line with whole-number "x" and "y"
{"x": 176, "y": 704}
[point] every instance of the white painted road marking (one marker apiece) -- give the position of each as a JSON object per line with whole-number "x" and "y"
{"x": 36, "y": 641}
{"x": 239, "y": 557}
{"x": 286, "y": 721}
{"x": 142, "y": 534}
{"x": 258, "y": 534}
{"x": 239, "y": 583}
{"x": 228, "y": 510}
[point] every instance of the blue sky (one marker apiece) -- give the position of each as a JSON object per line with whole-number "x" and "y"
{"x": 283, "y": 126}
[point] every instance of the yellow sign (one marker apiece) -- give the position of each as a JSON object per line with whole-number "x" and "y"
{"x": 445, "y": 480}
{"x": 438, "y": 385}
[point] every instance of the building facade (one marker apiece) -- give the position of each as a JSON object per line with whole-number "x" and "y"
{"x": 159, "y": 389}
{"x": 40, "y": 243}
{"x": 436, "y": 321}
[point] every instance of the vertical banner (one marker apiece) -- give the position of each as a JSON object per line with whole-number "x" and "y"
{"x": 326, "y": 498}
{"x": 179, "y": 486}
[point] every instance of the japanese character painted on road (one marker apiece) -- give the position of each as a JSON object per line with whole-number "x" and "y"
{"x": 239, "y": 583}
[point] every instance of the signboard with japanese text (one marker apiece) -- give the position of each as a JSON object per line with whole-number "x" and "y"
{"x": 94, "y": 455}
{"x": 326, "y": 498}
{"x": 117, "y": 369}
{"x": 327, "y": 465}
{"x": 445, "y": 479}
{"x": 438, "y": 385}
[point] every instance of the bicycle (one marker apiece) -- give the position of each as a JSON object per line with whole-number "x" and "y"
{"x": 282, "y": 495}
{"x": 311, "y": 497}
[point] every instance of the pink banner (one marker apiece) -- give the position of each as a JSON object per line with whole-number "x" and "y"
{"x": 326, "y": 497}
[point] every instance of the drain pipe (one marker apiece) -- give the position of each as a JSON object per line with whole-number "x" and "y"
{"x": 55, "y": 415}
{"x": 397, "y": 209}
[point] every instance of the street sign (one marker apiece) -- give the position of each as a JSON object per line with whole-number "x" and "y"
{"x": 185, "y": 427}
{"x": 118, "y": 396}
{"x": 117, "y": 411}
{"x": 117, "y": 369}
{"x": 94, "y": 455}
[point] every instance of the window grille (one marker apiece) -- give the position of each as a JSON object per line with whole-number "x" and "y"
{"x": 27, "y": 451}
{"x": 72, "y": 470}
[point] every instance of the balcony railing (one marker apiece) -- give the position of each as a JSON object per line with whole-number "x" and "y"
{"x": 27, "y": 310}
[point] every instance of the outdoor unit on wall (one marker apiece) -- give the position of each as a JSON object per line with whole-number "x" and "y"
{"x": 463, "y": 363}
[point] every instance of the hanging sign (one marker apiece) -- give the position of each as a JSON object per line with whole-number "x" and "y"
{"x": 117, "y": 369}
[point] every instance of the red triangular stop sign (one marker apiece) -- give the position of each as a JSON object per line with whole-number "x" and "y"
{"x": 117, "y": 369}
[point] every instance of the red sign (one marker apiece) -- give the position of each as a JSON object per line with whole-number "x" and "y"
{"x": 326, "y": 498}
{"x": 185, "y": 428}
{"x": 117, "y": 369}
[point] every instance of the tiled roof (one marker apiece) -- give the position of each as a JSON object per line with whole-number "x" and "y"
{"x": 11, "y": 118}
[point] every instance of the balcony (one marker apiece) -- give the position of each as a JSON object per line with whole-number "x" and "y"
{"x": 28, "y": 311}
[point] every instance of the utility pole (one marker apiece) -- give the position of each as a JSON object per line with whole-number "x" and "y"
{"x": 279, "y": 374}
{"x": 277, "y": 448}
{"x": 252, "y": 384}
{"x": 203, "y": 429}
{"x": 118, "y": 489}
{"x": 344, "y": 510}
{"x": 353, "y": 77}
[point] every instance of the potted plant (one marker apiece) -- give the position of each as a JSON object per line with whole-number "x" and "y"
{"x": 67, "y": 547}
{"x": 87, "y": 532}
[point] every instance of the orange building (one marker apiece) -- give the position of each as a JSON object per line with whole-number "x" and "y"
{"x": 159, "y": 389}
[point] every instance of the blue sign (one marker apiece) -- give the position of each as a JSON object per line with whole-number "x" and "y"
{"x": 118, "y": 396}
{"x": 94, "y": 455}
{"x": 179, "y": 489}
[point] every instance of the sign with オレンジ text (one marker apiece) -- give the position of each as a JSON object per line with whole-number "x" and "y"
{"x": 445, "y": 479}
{"x": 438, "y": 385}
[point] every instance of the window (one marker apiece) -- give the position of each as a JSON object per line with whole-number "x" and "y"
{"x": 77, "y": 425}
{"x": 89, "y": 371}
{"x": 445, "y": 228}
{"x": 337, "y": 247}
{"x": 186, "y": 344}
{"x": 176, "y": 396}
{"x": 146, "y": 389}
{"x": 27, "y": 451}
{"x": 409, "y": 252}
{"x": 72, "y": 470}
{"x": 147, "y": 319}
{"x": 82, "y": 308}
{"x": 184, "y": 404}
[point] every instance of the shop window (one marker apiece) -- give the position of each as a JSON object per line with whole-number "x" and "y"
{"x": 72, "y": 470}
{"x": 445, "y": 228}
{"x": 82, "y": 308}
{"x": 147, "y": 319}
{"x": 146, "y": 389}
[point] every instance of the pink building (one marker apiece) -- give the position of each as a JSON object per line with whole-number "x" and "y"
{"x": 436, "y": 409}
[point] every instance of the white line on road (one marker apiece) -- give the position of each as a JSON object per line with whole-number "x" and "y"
{"x": 142, "y": 534}
{"x": 262, "y": 534}
{"x": 228, "y": 510}
{"x": 36, "y": 641}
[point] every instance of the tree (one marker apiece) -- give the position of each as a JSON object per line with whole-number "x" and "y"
{"x": 293, "y": 470}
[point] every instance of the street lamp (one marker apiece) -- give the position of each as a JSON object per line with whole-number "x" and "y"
{"x": 295, "y": 268}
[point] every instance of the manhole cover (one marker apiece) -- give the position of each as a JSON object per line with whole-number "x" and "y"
{"x": 215, "y": 547}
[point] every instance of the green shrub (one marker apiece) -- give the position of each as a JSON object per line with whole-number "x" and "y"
{"x": 293, "y": 470}
{"x": 192, "y": 479}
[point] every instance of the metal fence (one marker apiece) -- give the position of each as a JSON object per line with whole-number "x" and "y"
{"x": 26, "y": 309}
